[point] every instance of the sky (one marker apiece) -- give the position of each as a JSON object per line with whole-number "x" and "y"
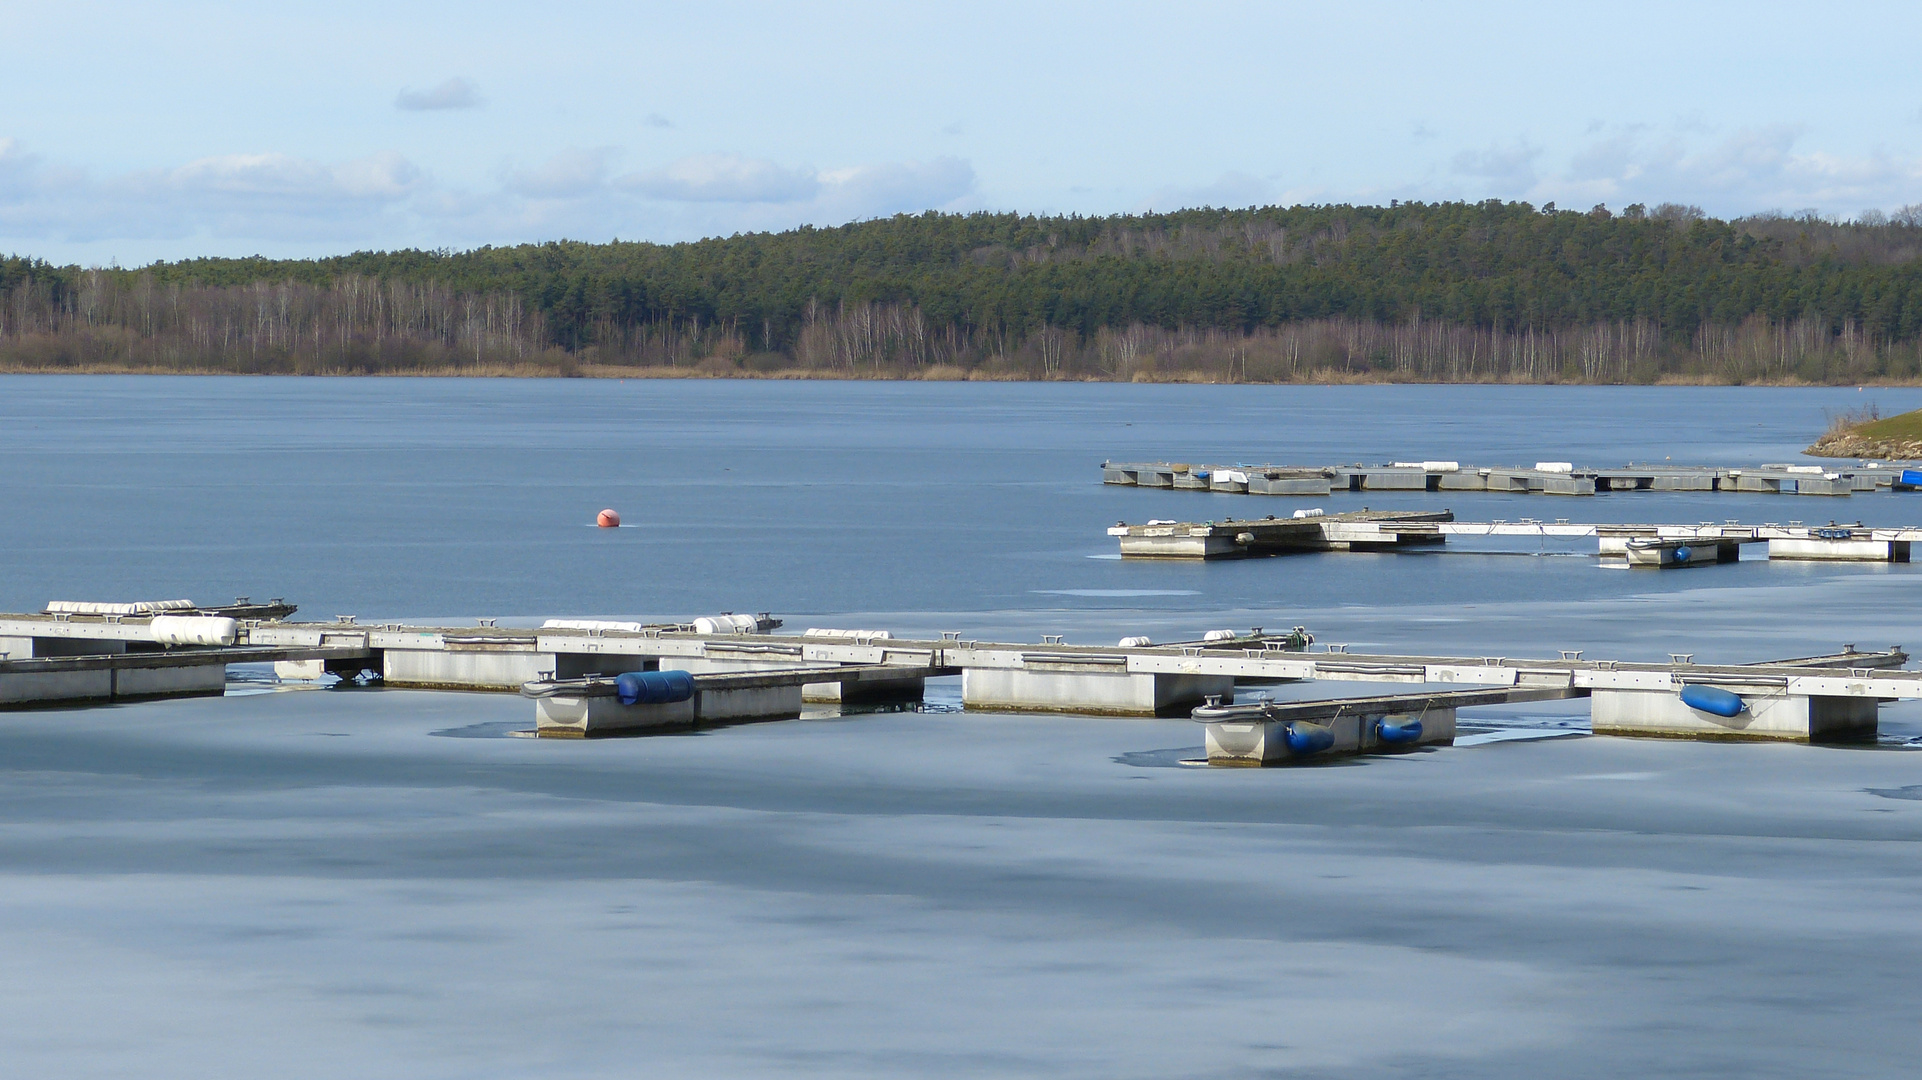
{"x": 137, "y": 132}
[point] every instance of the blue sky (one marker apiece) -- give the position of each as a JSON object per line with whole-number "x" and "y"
{"x": 137, "y": 132}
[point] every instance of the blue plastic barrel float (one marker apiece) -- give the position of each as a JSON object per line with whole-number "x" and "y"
{"x": 1397, "y": 733}
{"x": 1682, "y": 554}
{"x": 1304, "y": 738}
{"x": 654, "y": 687}
{"x": 1712, "y": 699}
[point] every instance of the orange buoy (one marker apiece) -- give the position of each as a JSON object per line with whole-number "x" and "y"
{"x": 608, "y": 519}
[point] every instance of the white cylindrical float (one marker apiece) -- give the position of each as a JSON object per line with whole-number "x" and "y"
{"x": 591, "y": 624}
{"x": 194, "y": 630}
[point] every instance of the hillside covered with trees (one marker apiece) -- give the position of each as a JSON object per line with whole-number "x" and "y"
{"x": 1448, "y": 292}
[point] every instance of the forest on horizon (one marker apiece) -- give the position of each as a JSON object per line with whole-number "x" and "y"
{"x": 1489, "y": 291}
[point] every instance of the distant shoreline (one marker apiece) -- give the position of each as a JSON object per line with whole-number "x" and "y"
{"x": 934, "y": 374}
{"x": 1488, "y": 292}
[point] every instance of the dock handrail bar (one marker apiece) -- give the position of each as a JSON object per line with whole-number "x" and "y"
{"x": 751, "y": 647}
{"x": 1691, "y": 678}
{"x": 1115, "y": 659}
{"x": 1359, "y": 668}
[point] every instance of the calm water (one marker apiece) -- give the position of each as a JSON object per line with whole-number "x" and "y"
{"x": 318, "y": 883}
{"x": 976, "y": 505}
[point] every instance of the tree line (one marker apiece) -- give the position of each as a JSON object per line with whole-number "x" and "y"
{"x": 1427, "y": 291}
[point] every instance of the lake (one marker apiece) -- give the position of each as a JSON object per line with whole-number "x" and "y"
{"x": 334, "y": 882}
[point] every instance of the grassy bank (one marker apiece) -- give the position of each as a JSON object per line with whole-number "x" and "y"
{"x": 1866, "y": 433}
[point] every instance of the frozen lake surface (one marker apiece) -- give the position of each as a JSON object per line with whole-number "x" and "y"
{"x": 351, "y": 882}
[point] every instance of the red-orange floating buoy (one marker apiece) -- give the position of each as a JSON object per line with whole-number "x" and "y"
{"x": 608, "y": 519}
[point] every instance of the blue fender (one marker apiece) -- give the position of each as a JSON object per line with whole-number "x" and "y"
{"x": 1712, "y": 699}
{"x": 1402, "y": 733}
{"x": 654, "y": 687}
{"x": 1304, "y": 738}
{"x": 1682, "y": 554}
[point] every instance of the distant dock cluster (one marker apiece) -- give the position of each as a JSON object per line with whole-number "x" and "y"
{"x": 1543, "y": 478}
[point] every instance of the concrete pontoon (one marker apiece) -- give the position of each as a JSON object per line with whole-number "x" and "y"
{"x": 1637, "y": 545}
{"x": 1266, "y": 732}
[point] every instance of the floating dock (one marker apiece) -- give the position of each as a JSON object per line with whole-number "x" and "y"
{"x": 109, "y": 676}
{"x": 1653, "y": 546}
{"x": 75, "y": 659}
{"x": 1280, "y": 733}
{"x": 1543, "y": 478}
{"x": 1364, "y": 530}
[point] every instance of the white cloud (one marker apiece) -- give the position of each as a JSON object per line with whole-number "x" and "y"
{"x": 1747, "y": 170}
{"x": 285, "y": 204}
{"x": 724, "y": 178}
{"x": 1506, "y": 169}
{"x": 897, "y": 186}
{"x": 381, "y": 177}
{"x": 386, "y": 175}
{"x": 1230, "y": 190}
{"x": 565, "y": 175}
{"x": 261, "y": 196}
{"x": 455, "y": 93}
